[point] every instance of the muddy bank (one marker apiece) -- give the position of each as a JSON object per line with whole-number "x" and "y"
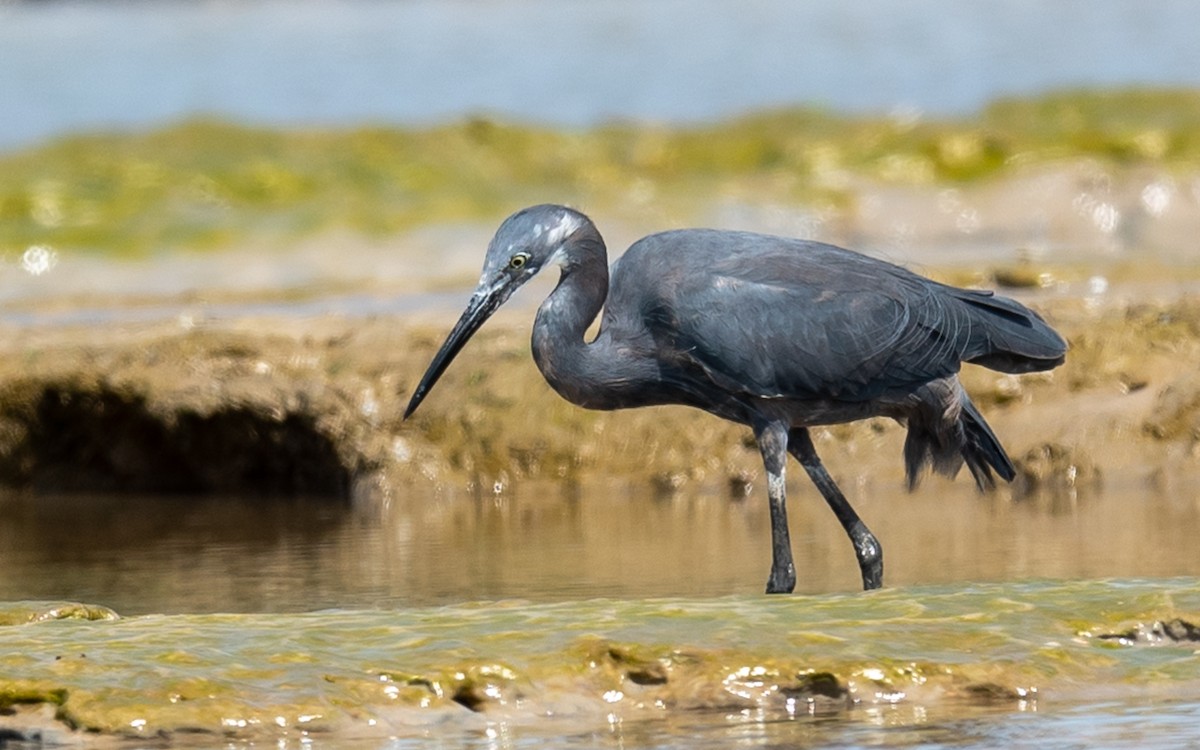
{"x": 534, "y": 670}
{"x": 313, "y": 408}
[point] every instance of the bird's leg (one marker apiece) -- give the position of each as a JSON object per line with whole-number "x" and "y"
{"x": 772, "y": 442}
{"x": 866, "y": 546}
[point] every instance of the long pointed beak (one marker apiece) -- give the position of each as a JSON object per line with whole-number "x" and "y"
{"x": 483, "y": 303}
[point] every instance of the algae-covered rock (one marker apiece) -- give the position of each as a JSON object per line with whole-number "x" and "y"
{"x": 481, "y": 685}
{"x": 819, "y": 689}
{"x": 1022, "y": 276}
{"x": 1054, "y": 467}
{"x": 26, "y": 694}
{"x": 988, "y": 693}
{"x": 1176, "y": 411}
{"x": 24, "y": 613}
{"x": 1159, "y": 632}
{"x": 630, "y": 663}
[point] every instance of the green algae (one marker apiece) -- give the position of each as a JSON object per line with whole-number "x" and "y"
{"x": 17, "y": 693}
{"x": 24, "y": 613}
{"x": 398, "y": 673}
{"x": 204, "y": 183}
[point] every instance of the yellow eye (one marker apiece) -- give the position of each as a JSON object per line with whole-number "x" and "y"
{"x": 518, "y": 261}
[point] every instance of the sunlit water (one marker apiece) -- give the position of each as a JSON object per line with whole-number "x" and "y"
{"x": 965, "y": 665}
{"x": 67, "y": 66}
{"x": 549, "y": 542}
{"x": 387, "y": 601}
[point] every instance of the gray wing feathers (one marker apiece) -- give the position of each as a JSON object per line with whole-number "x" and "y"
{"x": 1013, "y": 338}
{"x": 784, "y": 318}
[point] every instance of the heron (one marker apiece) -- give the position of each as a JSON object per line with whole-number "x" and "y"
{"x": 779, "y": 334}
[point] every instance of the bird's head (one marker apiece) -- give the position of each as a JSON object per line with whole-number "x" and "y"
{"x": 525, "y": 243}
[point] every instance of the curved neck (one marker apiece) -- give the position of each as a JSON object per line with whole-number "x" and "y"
{"x": 569, "y": 364}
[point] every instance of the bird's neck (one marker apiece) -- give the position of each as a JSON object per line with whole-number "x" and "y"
{"x": 573, "y": 367}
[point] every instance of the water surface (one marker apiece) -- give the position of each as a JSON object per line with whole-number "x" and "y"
{"x": 604, "y": 614}
{"x": 544, "y": 542}
{"x": 966, "y": 665}
{"x": 68, "y": 66}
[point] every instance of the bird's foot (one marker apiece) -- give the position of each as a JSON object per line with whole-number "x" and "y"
{"x": 782, "y": 580}
{"x": 872, "y": 576}
{"x": 870, "y": 556}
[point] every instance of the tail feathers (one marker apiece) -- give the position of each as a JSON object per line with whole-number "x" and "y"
{"x": 982, "y": 449}
{"x": 969, "y": 441}
{"x": 1010, "y": 337}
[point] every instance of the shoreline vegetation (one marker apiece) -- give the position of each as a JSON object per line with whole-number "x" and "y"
{"x": 205, "y": 183}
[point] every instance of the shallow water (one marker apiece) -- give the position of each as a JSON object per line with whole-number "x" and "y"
{"x": 970, "y": 665}
{"x": 550, "y": 542}
{"x": 606, "y": 615}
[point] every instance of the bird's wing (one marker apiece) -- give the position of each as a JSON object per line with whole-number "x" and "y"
{"x": 818, "y": 323}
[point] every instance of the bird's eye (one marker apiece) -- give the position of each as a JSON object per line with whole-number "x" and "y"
{"x": 518, "y": 261}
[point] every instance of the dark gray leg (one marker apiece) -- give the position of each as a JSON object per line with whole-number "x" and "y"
{"x": 866, "y": 546}
{"x": 773, "y": 442}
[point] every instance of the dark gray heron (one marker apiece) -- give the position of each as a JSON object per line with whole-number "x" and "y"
{"x": 778, "y": 334}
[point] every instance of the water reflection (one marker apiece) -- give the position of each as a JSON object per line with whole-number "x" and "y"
{"x": 38, "y": 259}
{"x": 554, "y": 542}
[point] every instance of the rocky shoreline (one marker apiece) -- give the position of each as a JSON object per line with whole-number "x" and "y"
{"x": 313, "y": 408}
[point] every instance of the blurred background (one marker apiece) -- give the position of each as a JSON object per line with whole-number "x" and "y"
{"x": 232, "y": 233}
{"x": 135, "y": 129}
{"x": 72, "y": 67}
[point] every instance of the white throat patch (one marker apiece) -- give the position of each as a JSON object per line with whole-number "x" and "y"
{"x": 557, "y": 258}
{"x": 565, "y": 227}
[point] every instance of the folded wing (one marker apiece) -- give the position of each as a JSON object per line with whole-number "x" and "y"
{"x": 791, "y": 319}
